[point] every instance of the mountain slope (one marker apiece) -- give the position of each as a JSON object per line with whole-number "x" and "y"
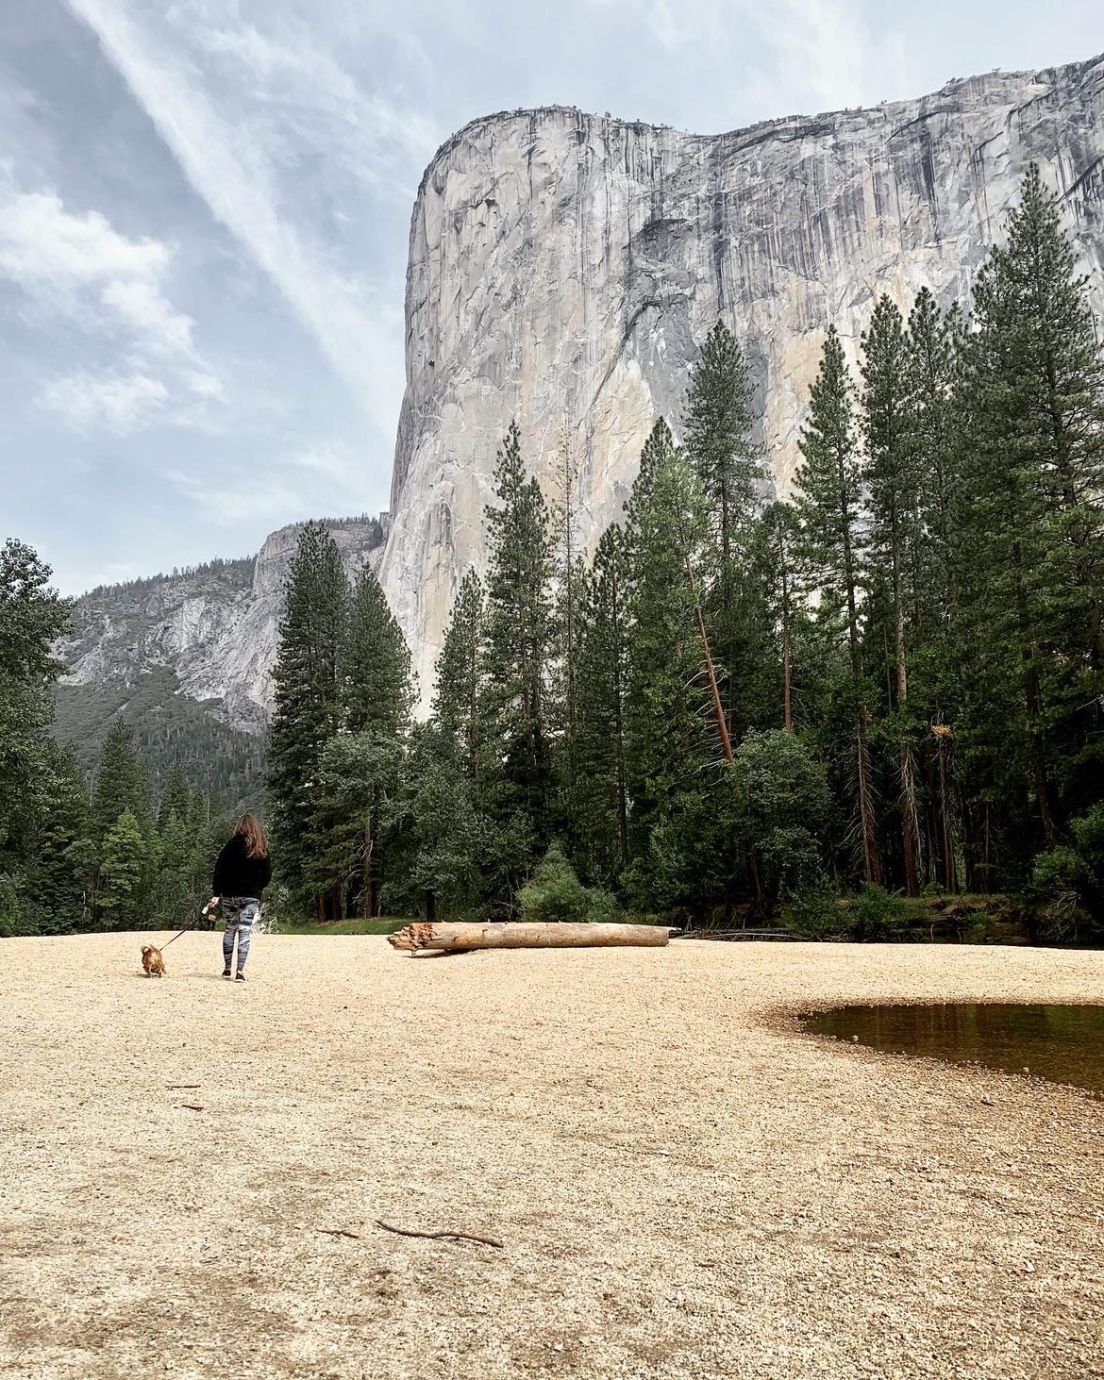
{"x": 214, "y": 628}
{"x": 170, "y": 729}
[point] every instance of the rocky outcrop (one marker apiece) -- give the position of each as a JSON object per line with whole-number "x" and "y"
{"x": 215, "y": 627}
{"x": 564, "y": 269}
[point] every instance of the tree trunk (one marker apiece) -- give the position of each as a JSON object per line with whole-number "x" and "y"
{"x": 619, "y": 719}
{"x": 1034, "y": 704}
{"x": 872, "y": 863}
{"x": 910, "y": 828}
{"x": 369, "y": 881}
{"x": 950, "y": 868}
{"x": 787, "y": 649}
{"x": 526, "y": 936}
{"x": 718, "y": 708}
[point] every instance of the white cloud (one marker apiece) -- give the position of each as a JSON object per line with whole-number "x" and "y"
{"x": 75, "y": 266}
{"x": 139, "y": 304}
{"x": 121, "y": 404}
{"x": 43, "y": 245}
{"x": 241, "y": 132}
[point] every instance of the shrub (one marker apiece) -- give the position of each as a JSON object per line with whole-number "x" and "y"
{"x": 814, "y": 913}
{"x": 12, "y": 918}
{"x": 1068, "y": 883}
{"x": 555, "y": 894}
{"x": 780, "y": 803}
{"x": 877, "y": 916}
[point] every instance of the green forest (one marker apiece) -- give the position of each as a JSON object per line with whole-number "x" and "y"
{"x": 170, "y": 731}
{"x": 734, "y": 710}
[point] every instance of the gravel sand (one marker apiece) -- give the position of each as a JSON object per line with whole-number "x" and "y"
{"x": 683, "y": 1185}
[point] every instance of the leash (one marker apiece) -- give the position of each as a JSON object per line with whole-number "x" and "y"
{"x": 185, "y": 930}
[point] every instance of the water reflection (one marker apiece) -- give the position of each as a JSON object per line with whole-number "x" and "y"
{"x": 1064, "y": 1044}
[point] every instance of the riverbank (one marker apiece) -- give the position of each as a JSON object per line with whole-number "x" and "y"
{"x": 683, "y": 1185}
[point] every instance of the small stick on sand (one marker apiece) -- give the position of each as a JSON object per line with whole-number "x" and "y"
{"x": 183, "y": 1087}
{"x": 191, "y": 1106}
{"x": 339, "y": 1231}
{"x": 443, "y": 1235}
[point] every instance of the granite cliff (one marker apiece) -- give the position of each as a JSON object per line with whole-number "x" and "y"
{"x": 214, "y": 627}
{"x": 564, "y": 269}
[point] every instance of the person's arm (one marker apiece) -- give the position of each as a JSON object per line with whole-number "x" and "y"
{"x": 266, "y": 871}
{"x": 218, "y": 886}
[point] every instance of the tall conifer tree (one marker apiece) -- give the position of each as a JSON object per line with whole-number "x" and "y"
{"x": 718, "y": 433}
{"x": 832, "y": 543}
{"x": 1033, "y": 395}
{"x": 931, "y": 344}
{"x": 518, "y": 642}
{"x": 669, "y": 728}
{"x": 600, "y": 800}
{"x": 893, "y": 489}
{"x": 122, "y": 781}
{"x": 375, "y": 664}
{"x": 308, "y": 709}
{"x": 458, "y": 697}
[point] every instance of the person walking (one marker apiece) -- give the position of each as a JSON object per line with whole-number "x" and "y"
{"x": 242, "y": 872}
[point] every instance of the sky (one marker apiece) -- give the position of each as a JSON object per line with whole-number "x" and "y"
{"x": 204, "y": 209}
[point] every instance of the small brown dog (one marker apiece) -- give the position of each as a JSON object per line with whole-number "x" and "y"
{"x": 152, "y": 961}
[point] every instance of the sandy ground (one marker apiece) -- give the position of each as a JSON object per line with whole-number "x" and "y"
{"x": 683, "y": 1185}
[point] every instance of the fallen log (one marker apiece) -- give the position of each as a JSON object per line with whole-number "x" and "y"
{"x": 516, "y": 935}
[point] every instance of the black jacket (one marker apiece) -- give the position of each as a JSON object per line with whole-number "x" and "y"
{"x": 238, "y": 875}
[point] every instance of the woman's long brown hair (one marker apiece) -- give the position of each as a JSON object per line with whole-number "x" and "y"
{"x": 256, "y": 845}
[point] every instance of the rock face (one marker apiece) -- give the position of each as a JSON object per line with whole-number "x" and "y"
{"x": 564, "y": 270}
{"x": 216, "y": 626}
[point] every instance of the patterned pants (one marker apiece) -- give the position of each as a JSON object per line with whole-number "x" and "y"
{"x": 240, "y": 912}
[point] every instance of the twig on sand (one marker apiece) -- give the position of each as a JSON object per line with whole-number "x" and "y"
{"x": 339, "y": 1231}
{"x": 443, "y": 1235}
{"x": 182, "y": 1087}
{"x": 191, "y": 1106}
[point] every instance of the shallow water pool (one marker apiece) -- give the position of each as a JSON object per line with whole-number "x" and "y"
{"x": 1064, "y": 1044}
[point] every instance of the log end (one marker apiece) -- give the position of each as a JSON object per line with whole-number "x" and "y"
{"x": 412, "y": 938}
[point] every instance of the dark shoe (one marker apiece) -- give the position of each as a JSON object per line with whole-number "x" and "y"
{"x": 226, "y": 972}
{"x": 240, "y": 977}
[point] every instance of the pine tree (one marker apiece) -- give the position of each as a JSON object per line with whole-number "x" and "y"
{"x": 458, "y": 697}
{"x": 893, "y": 486}
{"x": 176, "y": 798}
{"x": 518, "y": 638}
{"x": 180, "y": 876}
{"x": 122, "y": 898}
{"x": 1053, "y": 384}
{"x": 307, "y": 711}
{"x": 375, "y": 664}
{"x": 773, "y": 563}
{"x": 1032, "y": 394}
{"x": 61, "y": 869}
{"x": 32, "y": 618}
{"x": 440, "y": 835}
{"x": 569, "y": 571}
{"x": 832, "y": 541}
{"x": 122, "y": 782}
{"x": 931, "y": 351}
{"x": 669, "y": 728}
{"x": 931, "y": 345}
{"x": 360, "y": 788}
{"x": 718, "y": 427}
{"x": 600, "y": 803}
